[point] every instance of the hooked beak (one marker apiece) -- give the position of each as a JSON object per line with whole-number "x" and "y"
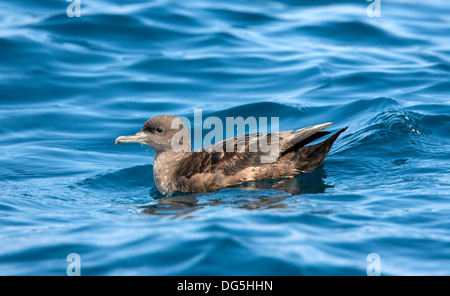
{"x": 140, "y": 138}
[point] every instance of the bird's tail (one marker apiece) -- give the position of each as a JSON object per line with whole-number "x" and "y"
{"x": 308, "y": 158}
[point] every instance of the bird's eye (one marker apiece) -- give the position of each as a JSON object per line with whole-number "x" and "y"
{"x": 159, "y": 130}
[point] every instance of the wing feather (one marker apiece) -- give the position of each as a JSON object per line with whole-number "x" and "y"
{"x": 218, "y": 158}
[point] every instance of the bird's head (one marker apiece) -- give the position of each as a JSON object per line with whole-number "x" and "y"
{"x": 162, "y": 133}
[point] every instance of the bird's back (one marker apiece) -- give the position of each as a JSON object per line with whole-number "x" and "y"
{"x": 218, "y": 166}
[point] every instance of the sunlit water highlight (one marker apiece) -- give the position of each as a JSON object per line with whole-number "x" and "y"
{"x": 70, "y": 86}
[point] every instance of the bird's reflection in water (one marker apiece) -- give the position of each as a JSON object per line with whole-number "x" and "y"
{"x": 267, "y": 194}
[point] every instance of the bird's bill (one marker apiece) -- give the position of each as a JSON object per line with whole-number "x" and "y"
{"x": 140, "y": 138}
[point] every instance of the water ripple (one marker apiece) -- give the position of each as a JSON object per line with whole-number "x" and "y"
{"x": 70, "y": 86}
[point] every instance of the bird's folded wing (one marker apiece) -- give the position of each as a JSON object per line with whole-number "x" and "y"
{"x": 235, "y": 154}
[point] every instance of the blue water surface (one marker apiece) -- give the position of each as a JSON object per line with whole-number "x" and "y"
{"x": 70, "y": 86}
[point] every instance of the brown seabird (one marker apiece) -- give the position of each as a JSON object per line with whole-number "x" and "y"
{"x": 212, "y": 168}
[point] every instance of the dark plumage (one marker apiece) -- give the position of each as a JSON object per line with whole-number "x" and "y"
{"x": 213, "y": 167}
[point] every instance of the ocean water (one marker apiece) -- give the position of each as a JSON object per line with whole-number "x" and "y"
{"x": 70, "y": 86}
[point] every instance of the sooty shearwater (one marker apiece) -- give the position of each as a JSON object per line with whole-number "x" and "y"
{"x": 177, "y": 168}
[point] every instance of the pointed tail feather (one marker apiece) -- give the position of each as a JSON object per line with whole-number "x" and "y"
{"x": 311, "y": 157}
